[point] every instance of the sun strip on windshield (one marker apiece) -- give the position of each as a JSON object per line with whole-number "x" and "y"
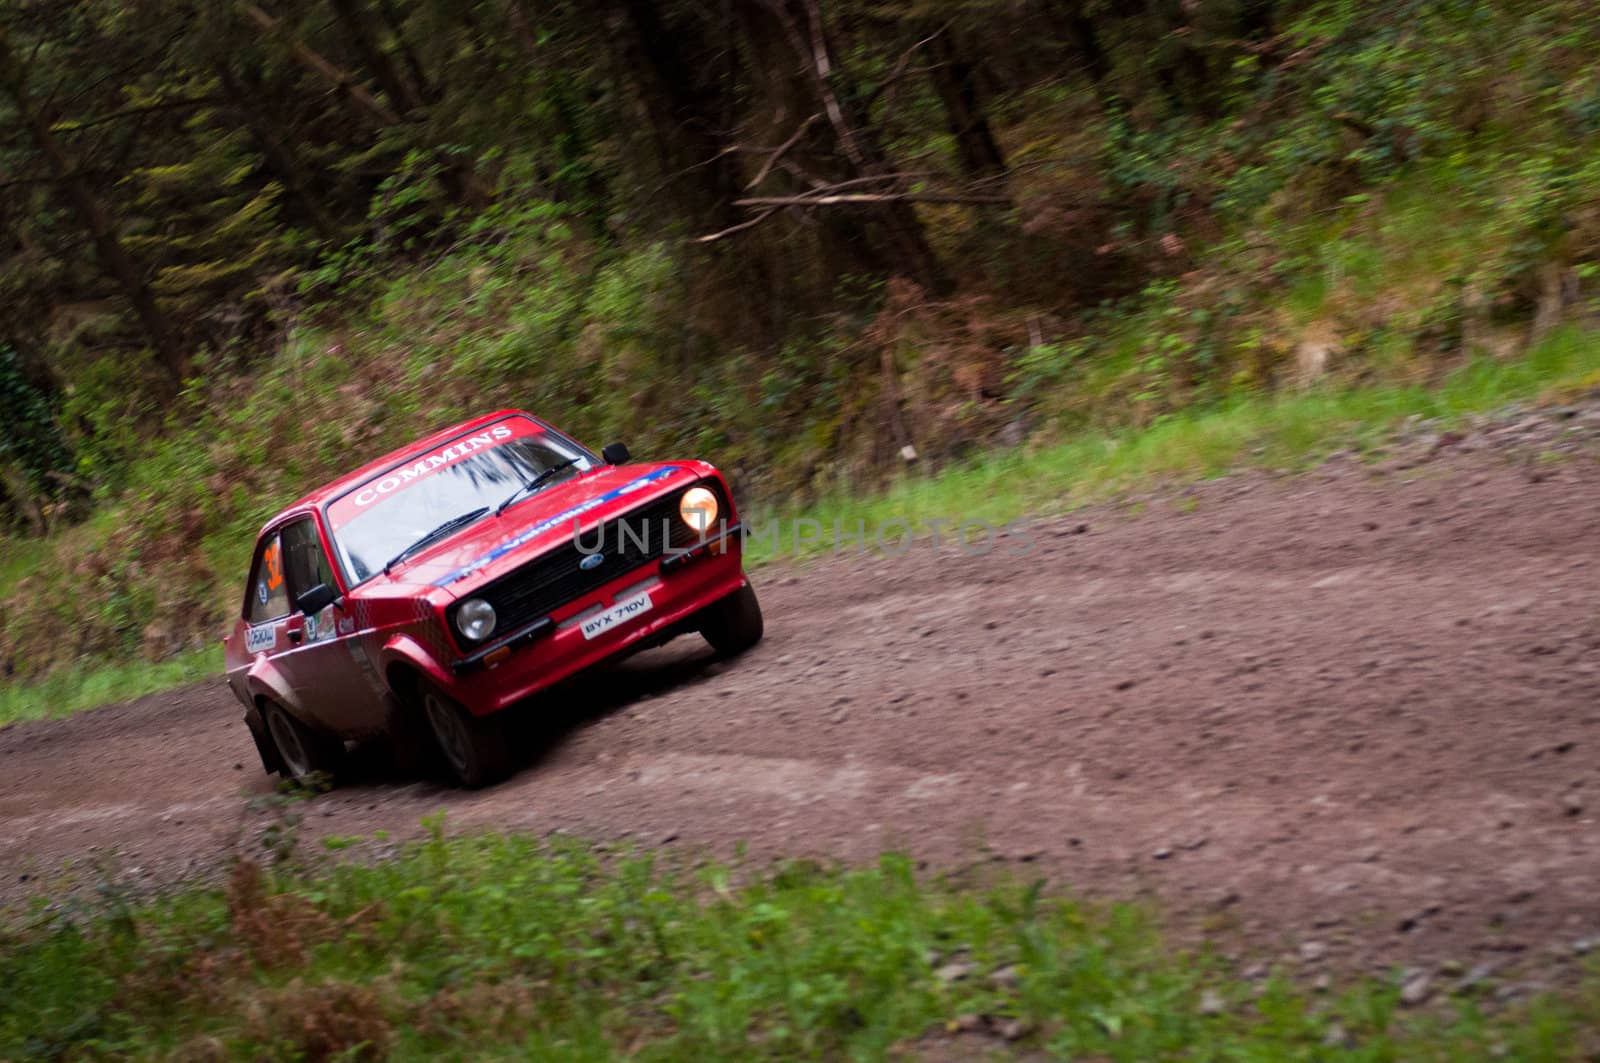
{"x": 421, "y": 466}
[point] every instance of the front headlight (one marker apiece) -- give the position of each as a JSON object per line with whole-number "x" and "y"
{"x": 698, "y": 507}
{"x": 475, "y": 619}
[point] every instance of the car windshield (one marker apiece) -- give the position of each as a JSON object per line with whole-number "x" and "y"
{"x": 379, "y": 520}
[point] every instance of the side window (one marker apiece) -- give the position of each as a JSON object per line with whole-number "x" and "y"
{"x": 303, "y": 558}
{"x": 269, "y": 593}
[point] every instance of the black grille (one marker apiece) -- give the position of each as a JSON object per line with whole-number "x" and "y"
{"x": 554, "y": 578}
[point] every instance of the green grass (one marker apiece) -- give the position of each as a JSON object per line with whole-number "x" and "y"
{"x": 20, "y": 558}
{"x": 73, "y": 689}
{"x": 1284, "y": 431}
{"x": 506, "y": 947}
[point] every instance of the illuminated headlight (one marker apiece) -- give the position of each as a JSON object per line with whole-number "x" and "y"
{"x": 698, "y": 508}
{"x": 475, "y": 619}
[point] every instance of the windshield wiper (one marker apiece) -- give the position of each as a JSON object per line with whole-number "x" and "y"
{"x": 444, "y": 529}
{"x": 528, "y": 487}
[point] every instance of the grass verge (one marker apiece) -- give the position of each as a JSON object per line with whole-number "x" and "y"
{"x": 1284, "y": 431}
{"x": 1280, "y": 432}
{"x": 73, "y": 689}
{"x": 506, "y": 947}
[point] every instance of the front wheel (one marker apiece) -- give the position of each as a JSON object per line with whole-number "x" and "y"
{"x": 734, "y": 624}
{"x": 302, "y": 752}
{"x": 474, "y": 747}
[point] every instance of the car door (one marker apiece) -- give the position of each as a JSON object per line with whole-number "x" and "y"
{"x": 267, "y": 612}
{"x": 321, "y": 665}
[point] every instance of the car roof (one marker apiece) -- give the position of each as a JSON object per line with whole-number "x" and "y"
{"x": 334, "y": 488}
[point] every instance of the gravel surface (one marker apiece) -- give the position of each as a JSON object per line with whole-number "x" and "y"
{"x": 1347, "y": 720}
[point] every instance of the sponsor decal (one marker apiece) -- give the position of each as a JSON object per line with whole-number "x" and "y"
{"x": 347, "y": 624}
{"x": 320, "y": 627}
{"x": 260, "y": 639}
{"x": 527, "y": 535}
{"x": 326, "y": 624}
{"x": 425, "y": 465}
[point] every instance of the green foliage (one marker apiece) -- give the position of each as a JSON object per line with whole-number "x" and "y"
{"x": 31, "y": 438}
{"x": 504, "y": 946}
{"x": 1284, "y": 432}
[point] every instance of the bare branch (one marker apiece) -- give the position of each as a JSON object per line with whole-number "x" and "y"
{"x": 730, "y": 230}
{"x": 900, "y": 67}
{"x": 828, "y": 187}
{"x": 810, "y": 43}
{"x": 801, "y": 174}
{"x": 314, "y": 61}
{"x": 777, "y": 153}
{"x": 827, "y": 200}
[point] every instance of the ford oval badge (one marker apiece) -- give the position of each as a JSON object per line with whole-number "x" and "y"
{"x": 591, "y": 562}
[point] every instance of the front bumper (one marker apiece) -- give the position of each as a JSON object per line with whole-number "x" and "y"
{"x": 553, "y": 648}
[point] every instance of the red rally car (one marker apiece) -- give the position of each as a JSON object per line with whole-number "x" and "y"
{"x": 439, "y": 586}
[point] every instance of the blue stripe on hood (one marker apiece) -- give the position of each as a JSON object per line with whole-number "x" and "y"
{"x": 527, "y": 535}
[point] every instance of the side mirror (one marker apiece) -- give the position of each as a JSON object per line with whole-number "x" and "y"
{"x": 317, "y": 599}
{"x": 615, "y": 454}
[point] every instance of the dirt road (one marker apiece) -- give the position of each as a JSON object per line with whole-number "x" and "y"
{"x": 1351, "y": 717}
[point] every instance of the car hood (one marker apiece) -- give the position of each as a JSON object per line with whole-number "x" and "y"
{"x": 533, "y": 525}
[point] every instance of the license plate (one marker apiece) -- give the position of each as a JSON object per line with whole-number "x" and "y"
{"x": 621, "y": 613}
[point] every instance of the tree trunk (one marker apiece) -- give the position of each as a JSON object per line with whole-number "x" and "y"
{"x": 402, "y": 96}
{"x": 396, "y": 26}
{"x": 956, "y": 81}
{"x": 682, "y": 112}
{"x": 1081, "y": 34}
{"x": 859, "y": 140}
{"x": 570, "y": 140}
{"x": 521, "y": 28}
{"x": 366, "y": 105}
{"x": 279, "y": 157}
{"x": 113, "y": 256}
{"x": 459, "y": 180}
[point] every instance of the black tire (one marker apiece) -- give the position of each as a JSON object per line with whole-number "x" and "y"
{"x": 734, "y": 624}
{"x": 474, "y": 749}
{"x": 302, "y": 753}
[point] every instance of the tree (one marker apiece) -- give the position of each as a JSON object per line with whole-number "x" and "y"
{"x": 956, "y": 80}
{"x": 73, "y": 183}
{"x": 35, "y": 459}
{"x": 685, "y": 111}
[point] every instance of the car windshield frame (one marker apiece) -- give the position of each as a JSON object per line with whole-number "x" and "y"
{"x": 590, "y": 460}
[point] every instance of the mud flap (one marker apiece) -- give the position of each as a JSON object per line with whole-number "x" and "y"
{"x": 410, "y": 741}
{"x": 265, "y": 749}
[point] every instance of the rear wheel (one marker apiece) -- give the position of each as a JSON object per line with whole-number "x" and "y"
{"x": 474, "y": 747}
{"x": 734, "y": 624}
{"x": 302, "y": 752}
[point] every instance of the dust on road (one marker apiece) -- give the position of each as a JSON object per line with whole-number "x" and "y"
{"x": 1353, "y": 716}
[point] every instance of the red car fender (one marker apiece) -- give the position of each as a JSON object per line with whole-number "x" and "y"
{"x": 264, "y": 681}
{"x": 406, "y": 651}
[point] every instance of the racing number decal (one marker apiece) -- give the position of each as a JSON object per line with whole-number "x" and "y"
{"x": 270, "y": 593}
{"x": 274, "y": 563}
